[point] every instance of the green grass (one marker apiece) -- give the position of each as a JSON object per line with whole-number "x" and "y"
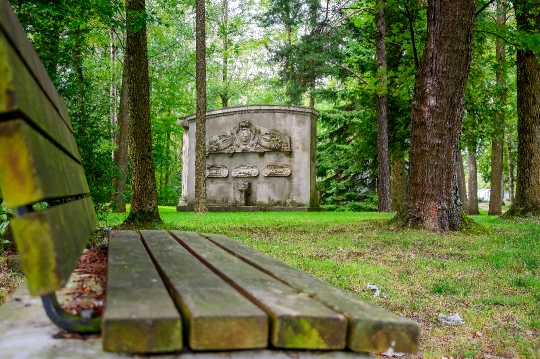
{"x": 490, "y": 275}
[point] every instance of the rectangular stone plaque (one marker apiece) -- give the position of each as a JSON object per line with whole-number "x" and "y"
{"x": 276, "y": 171}
{"x": 245, "y": 171}
{"x": 217, "y": 171}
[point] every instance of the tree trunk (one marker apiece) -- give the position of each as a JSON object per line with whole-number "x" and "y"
{"x": 121, "y": 152}
{"x": 436, "y": 116}
{"x": 144, "y": 205}
{"x": 200, "y": 112}
{"x": 112, "y": 86}
{"x": 383, "y": 179}
{"x": 472, "y": 208}
{"x": 398, "y": 181}
{"x": 511, "y": 181}
{"x": 527, "y": 196}
{"x": 495, "y": 198}
{"x": 225, "y": 71}
{"x": 461, "y": 179}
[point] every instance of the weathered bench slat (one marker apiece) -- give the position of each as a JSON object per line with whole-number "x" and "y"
{"x": 296, "y": 321}
{"x": 25, "y": 153}
{"x": 15, "y": 32}
{"x": 49, "y": 243}
{"x": 20, "y": 92}
{"x": 372, "y": 329}
{"x": 214, "y": 314}
{"x": 140, "y": 315}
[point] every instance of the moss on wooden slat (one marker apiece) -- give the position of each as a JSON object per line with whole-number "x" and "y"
{"x": 20, "y": 92}
{"x": 297, "y": 321}
{"x": 140, "y": 315}
{"x": 24, "y": 154}
{"x": 371, "y": 329}
{"x": 50, "y": 244}
{"x": 216, "y": 316}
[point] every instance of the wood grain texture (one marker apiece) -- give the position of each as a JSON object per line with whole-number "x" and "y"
{"x": 50, "y": 243}
{"x": 32, "y": 169}
{"x": 371, "y": 329}
{"x": 215, "y": 315}
{"x": 296, "y": 321}
{"x": 20, "y": 93}
{"x": 14, "y": 31}
{"x": 140, "y": 316}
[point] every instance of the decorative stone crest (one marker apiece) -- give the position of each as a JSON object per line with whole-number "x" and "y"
{"x": 276, "y": 171}
{"x": 247, "y": 137}
{"x": 245, "y": 171}
{"x": 217, "y": 171}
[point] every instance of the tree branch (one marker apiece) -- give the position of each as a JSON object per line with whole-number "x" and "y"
{"x": 483, "y": 7}
{"x": 500, "y": 37}
{"x": 349, "y": 70}
{"x": 413, "y": 41}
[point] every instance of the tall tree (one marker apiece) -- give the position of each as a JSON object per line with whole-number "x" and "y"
{"x": 433, "y": 201}
{"x": 472, "y": 207}
{"x": 383, "y": 183}
{"x": 121, "y": 151}
{"x": 495, "y": 198}
{"x": 225, "y": 70}
{"x": 200, "y": 113}
{"x": 144, "y": 206}
{"x": 461, "y": 179}
{"x": 527, "y": 196}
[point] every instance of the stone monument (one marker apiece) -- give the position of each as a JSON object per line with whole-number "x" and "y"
{"x": 257, "y": 158}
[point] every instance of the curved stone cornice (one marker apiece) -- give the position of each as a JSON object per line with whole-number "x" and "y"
{"x": 229, "y": 111}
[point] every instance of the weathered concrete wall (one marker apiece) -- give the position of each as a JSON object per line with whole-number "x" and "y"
{"x": 271, "y": 147}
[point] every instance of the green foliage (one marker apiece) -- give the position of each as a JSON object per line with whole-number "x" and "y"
{"x": 72, "y": 38}
{"x": 5, "y": 214}
{"x": 370, "y": 204}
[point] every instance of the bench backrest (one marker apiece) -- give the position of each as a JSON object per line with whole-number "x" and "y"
{"x": 39, "y": 162}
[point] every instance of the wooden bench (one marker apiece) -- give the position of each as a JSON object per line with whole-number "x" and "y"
{"x": 166, "y": 291}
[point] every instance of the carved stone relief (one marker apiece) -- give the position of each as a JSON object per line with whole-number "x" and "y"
{"x": 276, "y": 171}
{"x": 245, "y": 171}
{"x": 217, "y": 171}
{"x": 247, "y": 137}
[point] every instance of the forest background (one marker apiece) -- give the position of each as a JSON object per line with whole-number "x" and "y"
{"x": 305, "y": 52}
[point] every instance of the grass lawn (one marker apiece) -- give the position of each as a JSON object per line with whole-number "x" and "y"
{"x": 490, "y": 276}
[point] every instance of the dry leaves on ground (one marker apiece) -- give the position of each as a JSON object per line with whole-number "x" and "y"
{"x": 88, "y": 283}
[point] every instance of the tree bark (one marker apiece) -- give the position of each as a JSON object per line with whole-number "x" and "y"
{"x": 436, "y": 116}
{"x": 121, "y": 152}
{"x": 527, "y": 196}
{"x": 200, "y": 113}
{"x": 383, "y": 179}
{"x": 225, "y": 71}
{"x": 112, "y": 85}
{"x": 398, "y": 181}
{"x": 495, "y": 198}
{"x": 472, "y": 208}
{"x": 511, "y": 166}
{"x": 461, "y": 179}
{"x": 144, "y": 205}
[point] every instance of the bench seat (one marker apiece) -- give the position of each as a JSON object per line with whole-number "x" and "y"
{"x": 230, "y": 296}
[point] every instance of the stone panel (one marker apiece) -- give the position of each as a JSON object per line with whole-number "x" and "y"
{"x": 271, "y": 147}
